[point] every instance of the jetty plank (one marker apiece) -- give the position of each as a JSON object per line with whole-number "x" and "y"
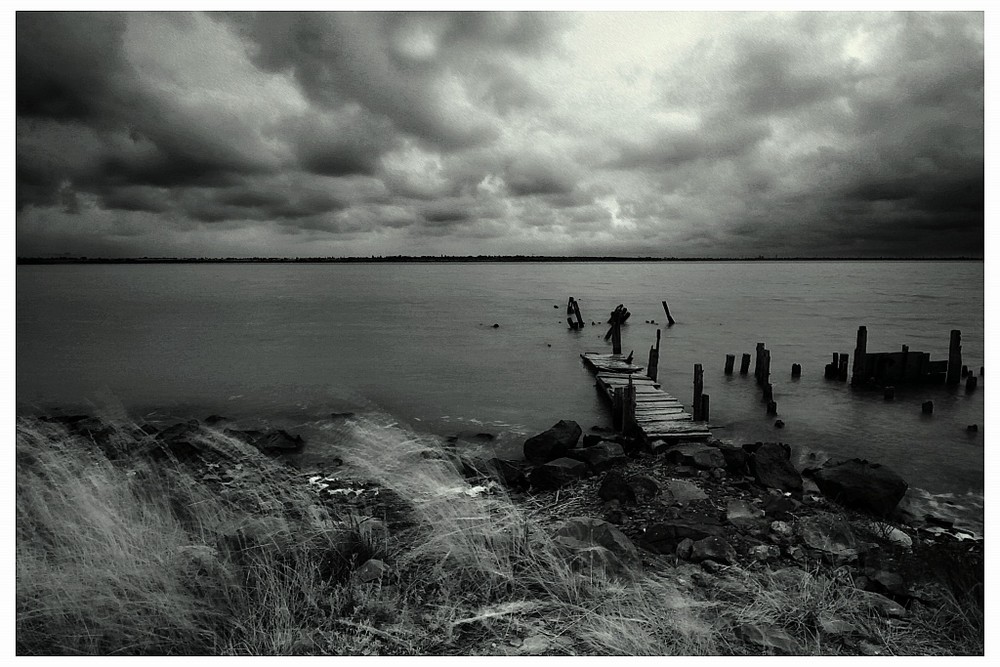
{"x": 655, "y": 413}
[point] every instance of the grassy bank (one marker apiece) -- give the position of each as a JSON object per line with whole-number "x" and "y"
{"x": 238, "y": 554}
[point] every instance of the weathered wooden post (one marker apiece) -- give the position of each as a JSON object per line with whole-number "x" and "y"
{"x": 699, "y": 386}
{"x": 576, "y": 311}
{"x": 618, "y": 409}
{"x": 965, "y": 371}
{"x": 765, "y": 375}
{"x": 953, "y": 376}
{"x": 730, "y": 362}
{"x": 970, "y": 383}
{"x": 758, "y": 360}
{"x": 927, "y": 407}
{"x": 830, "y": 372}
{"x": 796, "y": 370}
{"x": 666, "y": 309}
{"x": 768, "y": 394}
{"x": 654, "y": 358}
{"x": 569, "y": 314}
{"x": 704, "y": 407}
{"x": 860, "y": 351}
{"x": 745, "y": 363}
{"x": 842, "y": 368}
{"x": 889, "y": 393}
{"x": 616, "y": 336}
{"x": 629, "y": 426}
{"x": 772, "y": 408}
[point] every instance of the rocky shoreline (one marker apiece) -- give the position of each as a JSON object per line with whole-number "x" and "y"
{"x": 708, "y": 514}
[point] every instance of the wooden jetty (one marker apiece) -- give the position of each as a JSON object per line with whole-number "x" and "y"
{"x": 638, "y": 403}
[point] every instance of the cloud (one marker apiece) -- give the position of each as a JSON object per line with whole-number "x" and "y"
{"x": 657, "y": 133}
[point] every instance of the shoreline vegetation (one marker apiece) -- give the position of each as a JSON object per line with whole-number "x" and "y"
{"x": 199, "y": 538}
{"x": 408, "y": 259}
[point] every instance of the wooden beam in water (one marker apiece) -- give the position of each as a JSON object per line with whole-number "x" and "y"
{"x": 666, "y": 309}
{"x": 860, "y": 350}
{"x": 954, "y": 358}
{"x": 730, "y": 362}
{"x": 699, "y": 386}
{"x": 745, "y": 363}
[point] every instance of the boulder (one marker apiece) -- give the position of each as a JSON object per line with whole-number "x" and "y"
{"x": 599, "y": 533}
{"x": 599, "y": 457}
{"x": 683, "y": 492}
{"x": 507, "y": 473}
{"x": 645, "y": 488}
{"x": 861, "y": 485}
{"x": 371, "y": 570}
{"x": 713, "y": 548}
{"x": 590, "y": 440}
{"x": 771, "y": 466}
{"x": 737, "y": 459}
{"x": 278, "y": 442}
{"x": 182, "y": 441}
{"x": 743, "y": 515}
{"x": 769, "y": 637}
{"x": 615, "y": 486}
{"x": 698, "y": 455}
{"x": 553, "y": 443}
{"x": 780, "y": 507}
{"x": 828, "y": 534}
{"x": 557, "y": 473}
{"x": 665, "y": 536}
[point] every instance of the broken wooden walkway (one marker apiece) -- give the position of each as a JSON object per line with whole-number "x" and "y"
{"x": 656, "y": 414}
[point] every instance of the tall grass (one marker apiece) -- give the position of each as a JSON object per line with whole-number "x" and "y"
{"x": 128, "y": 556}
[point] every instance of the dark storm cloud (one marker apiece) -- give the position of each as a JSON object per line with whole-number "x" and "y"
{"x": 397, "y": 65}
{"x": 717, "y": 138}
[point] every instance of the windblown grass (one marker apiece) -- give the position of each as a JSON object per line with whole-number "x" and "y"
{"x": 127, "y": 556}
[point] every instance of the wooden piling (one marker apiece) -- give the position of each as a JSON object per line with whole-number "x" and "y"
{"x": 927, "y": 407}
{"x": 730, "y": 362}
{"x": 842, "y": 368}
{"x": 654, "y": 358}
{"x": 953, "y": 376}
{"x": 618, "y": 409}
{"x": 971, "y": 383}
{"x": 889, "y": 393}
{"x": 796, "y": 370}
{"x": 704, "y": 407}
{"x": 699, "y": 386}
{"x": 616, "y": 337}
{"x": 629, "y": 426}
{"x": 666, "y": 309}
{"x": 745, "y": 363}
{"x": 772, "y": 408}
{"x": 860, "y": 350}
{"x": 965, "y": 371}
{"x": 576, "y": 311}
{"x": 768, "y": 395}
{"x": 765, "y": 375}
{"x": 758, "y": 361}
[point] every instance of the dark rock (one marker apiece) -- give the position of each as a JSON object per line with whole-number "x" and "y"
{"x": 557, "y": 473}
{"x": 737, "y": 459}
{"x": 614, "y": 486}
{"x": 600, "y": 533}
{"x": 371, "y": 571}
{"x": 771, "y": 466}
{"x": 828, "y": 534}
{"x": 861, "y": 485}
{"x": 496, "y": 326}
{"x": 889, "y": 584}
{"x": 645, "y": 488}
{"x": 711, "y": 566}
{"x": 279, "y": 442}
{"x": 684, "y": 548}
{"x": 507, "y": 473}
{"x": 341, "y": 415}
{"x": 590, "y": 440}
{"x": 182, "y": 441}
{"x": 664, "y": 537}
{"x": 780, "y": 507}
{"x": 882, "y": 605}
{"x": 683, "y": 492}
{"x": 778, "y": 423}
{"x": 212, "y": 420}
{"x": 553, "y": 443}
{"x": 743, "y": 515}
{"x": 713, "y": 548}
{"x": 698, "y": 455}
{"x": 769, "y": 637}
{"x": 600, "y": 457}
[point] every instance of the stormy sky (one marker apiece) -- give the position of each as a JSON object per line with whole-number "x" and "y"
{"x": 353, "y": 134}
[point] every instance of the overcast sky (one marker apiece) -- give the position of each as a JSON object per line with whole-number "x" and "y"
{"x": 673, "y": 134}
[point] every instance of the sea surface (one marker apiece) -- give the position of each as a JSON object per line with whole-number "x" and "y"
{"x": 291, "y": 343}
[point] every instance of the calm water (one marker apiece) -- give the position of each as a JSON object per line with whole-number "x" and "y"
{"x": 294, "y": 342}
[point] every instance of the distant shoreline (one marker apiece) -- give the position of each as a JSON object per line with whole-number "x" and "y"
{"x": 484, "y": 259}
